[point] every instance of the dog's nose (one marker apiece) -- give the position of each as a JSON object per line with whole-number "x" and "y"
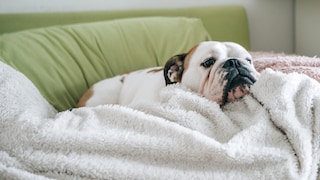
{"x": 232, "y": 63}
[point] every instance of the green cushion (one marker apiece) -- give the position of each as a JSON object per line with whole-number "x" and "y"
{"x": 224, "y": 23}
{"x": 64, "y": 61}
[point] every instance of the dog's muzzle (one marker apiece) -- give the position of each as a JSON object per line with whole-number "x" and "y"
{"x": 239, "y": 79}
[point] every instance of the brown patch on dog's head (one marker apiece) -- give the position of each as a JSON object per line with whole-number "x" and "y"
{"x": 188, "y": 57}
{"x": 175, "y": 66}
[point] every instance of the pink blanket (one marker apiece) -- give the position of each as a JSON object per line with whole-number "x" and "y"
{"x": 287, "y": 63}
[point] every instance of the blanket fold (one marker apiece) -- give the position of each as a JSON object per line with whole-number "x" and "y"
{"x": 271, "y": 134}
{"x": 294, "y": 110}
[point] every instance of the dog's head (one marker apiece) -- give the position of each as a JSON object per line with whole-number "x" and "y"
{"x": 220, "y": 71}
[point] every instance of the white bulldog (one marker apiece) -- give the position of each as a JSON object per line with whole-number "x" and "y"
{"x": 220, "y": 71}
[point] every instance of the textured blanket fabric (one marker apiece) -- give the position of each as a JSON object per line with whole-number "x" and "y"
{"x": 287, "y": 63}
{"x": 271, "y": 134}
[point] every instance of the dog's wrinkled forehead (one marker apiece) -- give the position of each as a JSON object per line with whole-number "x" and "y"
{"x": 219, "y": 51}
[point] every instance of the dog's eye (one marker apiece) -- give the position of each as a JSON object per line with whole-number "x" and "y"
{"x": 209, "y": 62}
{"x": 249, "y": 60}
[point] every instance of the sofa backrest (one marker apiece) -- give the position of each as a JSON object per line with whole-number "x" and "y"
{"x": 224, "y": 23}
{"x": 64, "y": 61}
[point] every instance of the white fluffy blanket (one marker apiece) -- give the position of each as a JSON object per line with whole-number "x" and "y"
{"x": 271, "y": 134}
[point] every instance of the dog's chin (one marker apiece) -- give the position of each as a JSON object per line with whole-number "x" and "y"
{"x": 237, "y": 88}
{"x": 237, "y": 93}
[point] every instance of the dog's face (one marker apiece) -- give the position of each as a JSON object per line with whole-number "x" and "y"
{"x": 220, "y": 71}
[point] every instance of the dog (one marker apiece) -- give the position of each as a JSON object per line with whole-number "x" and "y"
{"x": 220, "y": 71}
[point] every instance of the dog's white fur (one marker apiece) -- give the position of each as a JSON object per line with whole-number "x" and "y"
{"x": 145, "y": 85}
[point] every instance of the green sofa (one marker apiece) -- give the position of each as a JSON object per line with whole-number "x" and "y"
{"x": 65, "y": 53}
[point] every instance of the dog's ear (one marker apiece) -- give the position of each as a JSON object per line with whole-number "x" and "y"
{"x": 173, "y": 69}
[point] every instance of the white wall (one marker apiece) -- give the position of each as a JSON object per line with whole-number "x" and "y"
{"x": 307, "y": 27}
{"x": 270, "y": 21}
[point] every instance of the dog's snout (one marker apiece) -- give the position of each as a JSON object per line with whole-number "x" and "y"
{"x": 232, "y": 63}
